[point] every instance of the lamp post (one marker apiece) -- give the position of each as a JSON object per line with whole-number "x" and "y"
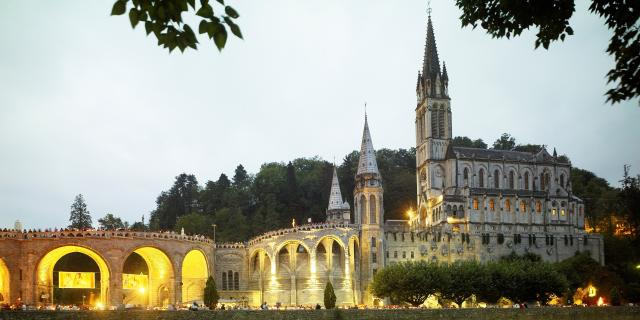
{"x": 214, "y": 232}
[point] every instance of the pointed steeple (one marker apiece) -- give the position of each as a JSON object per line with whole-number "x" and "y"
{"x": 430, "y": 62}
{"x": 367, "y": 162}
{"x": 445, "y": 76}
{"x": 336, "y": 202}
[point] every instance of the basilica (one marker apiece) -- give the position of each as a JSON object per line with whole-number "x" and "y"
{"x": 472, "y": 204}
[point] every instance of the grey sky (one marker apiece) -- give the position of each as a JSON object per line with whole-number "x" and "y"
{"x": 88, "y": 105}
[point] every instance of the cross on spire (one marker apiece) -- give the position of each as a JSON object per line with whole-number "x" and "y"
{"x": 429, "y": 8}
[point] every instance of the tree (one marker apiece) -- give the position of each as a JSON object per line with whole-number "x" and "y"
{"x": 329, "y": 296}
{"x": 80, "y": 217}
{"x": 505, "y": 142}
{"x": 407, "y": 282}
{"x": 111, "y": 222}
{"x": 180, "y": 200}
{"x": 468, "y": 143}
{"x": 211, "y": 295}
{"x": 195, "y": 223}
{"x": 164, "y": 19}
{"x": 460, "y": 281}
{"x": 510, "y": 18}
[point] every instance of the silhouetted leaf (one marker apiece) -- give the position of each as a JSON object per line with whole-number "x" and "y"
{"x": 231, "y": 12}
{"x": 119, "y": 8}
{"x": 220, "y": 38}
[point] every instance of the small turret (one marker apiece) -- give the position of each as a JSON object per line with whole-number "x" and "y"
{"x": 338, "y": 210}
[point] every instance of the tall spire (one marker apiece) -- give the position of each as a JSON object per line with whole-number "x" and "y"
{"x": 336, "y": 202}
{"x": 367, "y": 162}
{"x": 430, "y": 62}
{"x": 445, "y": 76}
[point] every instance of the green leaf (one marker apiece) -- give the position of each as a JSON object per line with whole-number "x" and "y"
{"x": 231, "y": 12}
{"x": 220, "y": 38}
{"x": 148, "y": 26}
{"x": 205, "y": 11}
{"x": 202, "y": 28}
{"x": 212, "y": 28}
{"x": 133, "y": 17}
{"x": 234, "y": 27}
{"x": 119, "y": 8}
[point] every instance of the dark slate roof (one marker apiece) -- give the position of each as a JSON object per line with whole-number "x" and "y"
{"x": 499, "y": 155}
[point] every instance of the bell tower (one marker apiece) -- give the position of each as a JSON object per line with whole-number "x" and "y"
{"x": 433, "y": 127}
{"x": 369, "y": 214}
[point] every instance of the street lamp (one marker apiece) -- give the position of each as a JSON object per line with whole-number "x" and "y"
{"x": 214, "y": 232}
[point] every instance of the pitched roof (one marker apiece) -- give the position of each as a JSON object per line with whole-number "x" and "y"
{"x": 336, "y": 201}
{"x": 367, "y": 162}
{"x": 430, "y": 62}
{"x": 493, "y": 154}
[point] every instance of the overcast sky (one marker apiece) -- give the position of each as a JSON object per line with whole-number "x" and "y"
{"x": 88, "y": 105}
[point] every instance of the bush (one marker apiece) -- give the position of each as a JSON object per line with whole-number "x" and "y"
{"x": 211, "y": 293}
{"x": 329, "y": 297}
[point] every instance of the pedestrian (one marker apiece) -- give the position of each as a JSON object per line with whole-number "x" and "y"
{"x": 318, "y": 306}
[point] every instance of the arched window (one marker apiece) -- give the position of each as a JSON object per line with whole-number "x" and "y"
{"x": 373, "y": 217}
{"x": 526, "y": 180}
{"x": 224, "y": 281}
{"x": 507, "y": 205}
{"x": 538, "y": 206}
{"x": 465, "y": 175}
{"x": 441, "y": 114}
{"x": 230, "y": 281}
{"x": 434, "y": 122}
{"x": 481, "y": 178}
{"x": 511, "y": 180}
{"x": 475, "y": 204}
{"x": 492, "y": 205}
{"x": 562, "y": 180}
{"x": 496, "y": 179}
{"x": 363, "y": 209}
{"x": 523, "y": 206}
{"x": 236, "y": 281}
{"x": 543, "y": 185}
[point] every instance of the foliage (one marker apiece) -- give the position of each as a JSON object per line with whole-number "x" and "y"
{"x": 461, "y": 280}
{"x": 211, "y": 295}
{"x": 510, "y": 18}
{"x": 630, "y": 198}
{"x": 79, "y": 217}
{"x": 614, "y": 296}
{"x": 164, "y": 19}
{"x": 410, "y": 282}
{"x": 111, "y": 222}
{"x": 505, "y": 142}
{"x": 468, "y": 143}
{"x": 329, "y": 296}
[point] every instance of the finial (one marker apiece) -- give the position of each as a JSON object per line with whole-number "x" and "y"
{"x": 429, "y": 8}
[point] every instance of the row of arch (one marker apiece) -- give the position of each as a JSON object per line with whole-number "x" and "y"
{"x": 146, "y": 276}
{"x": 526, "y": 180}
{"x": 368, "y": 209}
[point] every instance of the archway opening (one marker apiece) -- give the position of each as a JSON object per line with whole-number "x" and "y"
{"x": 72, "y": 275}
{"x": 135, "y": 280}
{"x": 156, "y": 287}
{"x": 4, "y": 283}
{"x": 195, "y": 272}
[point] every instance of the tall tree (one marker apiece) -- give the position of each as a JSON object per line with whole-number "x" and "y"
{"x": 111, "y": 222}
{"x": 510, "y": 18}
{"x": 80, "y": 217}
{"x": 211, "y": 295}
{"x": 467, "y": 142}
{"x": 180, "y": 200}
{"x": 329, "y": 296}
{"x": 505, "y": 142}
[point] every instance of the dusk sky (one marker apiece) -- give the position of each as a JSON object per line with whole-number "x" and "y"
{"x": 88, "y": 105}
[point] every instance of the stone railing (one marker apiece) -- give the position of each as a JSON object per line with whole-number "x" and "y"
{"x": 92, "y": 233}
{"x": 301, "y": 228}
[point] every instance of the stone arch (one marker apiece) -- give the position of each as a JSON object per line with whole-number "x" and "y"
{"x": 4, "y": 283}
{"x": 44, "y": 270}
{"x": 161, "y": 275}
{"x": 363, "y": 208}
{"x": 195, "y": 271}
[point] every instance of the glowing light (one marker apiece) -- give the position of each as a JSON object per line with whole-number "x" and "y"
{"x": 142, "y": 290}
{"x": 194, "y": 275}
{"x": 592, "y": 291}
{"x": 100, "y": 306}
{"x": 600, "y": 302}
{"x": 410, "y": 213}
{"x": 76, "y": 280}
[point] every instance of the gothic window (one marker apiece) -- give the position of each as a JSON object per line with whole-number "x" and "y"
{"x": 481, "y": 178}
{"x": 475, "y": 204}
{"x": 492, "y": 205}
{"x": 523, "y": 206}
{"x": 441, "y": 122}
{"x": 562, "y": 180}
{"x": 496, "y": 179}
{"x": 511, "y": 180}
{"x": 465, "y": 176}
{"x": 224, "y": 281}
{"x": 363, "y": 208}
{"x": 236, "y": 281}
{"x": 507, "y": 205}
{"x": 526, "y": 180}
{"x": 374, "y": 257}
{"x": 434, "y": 123}
{"x": 373, "y": 242}
{"x": 542, "y": 182}
{"x": 372, "y": 210}
{"x": 538, "y": 206}
{"x": 230, "y": 281}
